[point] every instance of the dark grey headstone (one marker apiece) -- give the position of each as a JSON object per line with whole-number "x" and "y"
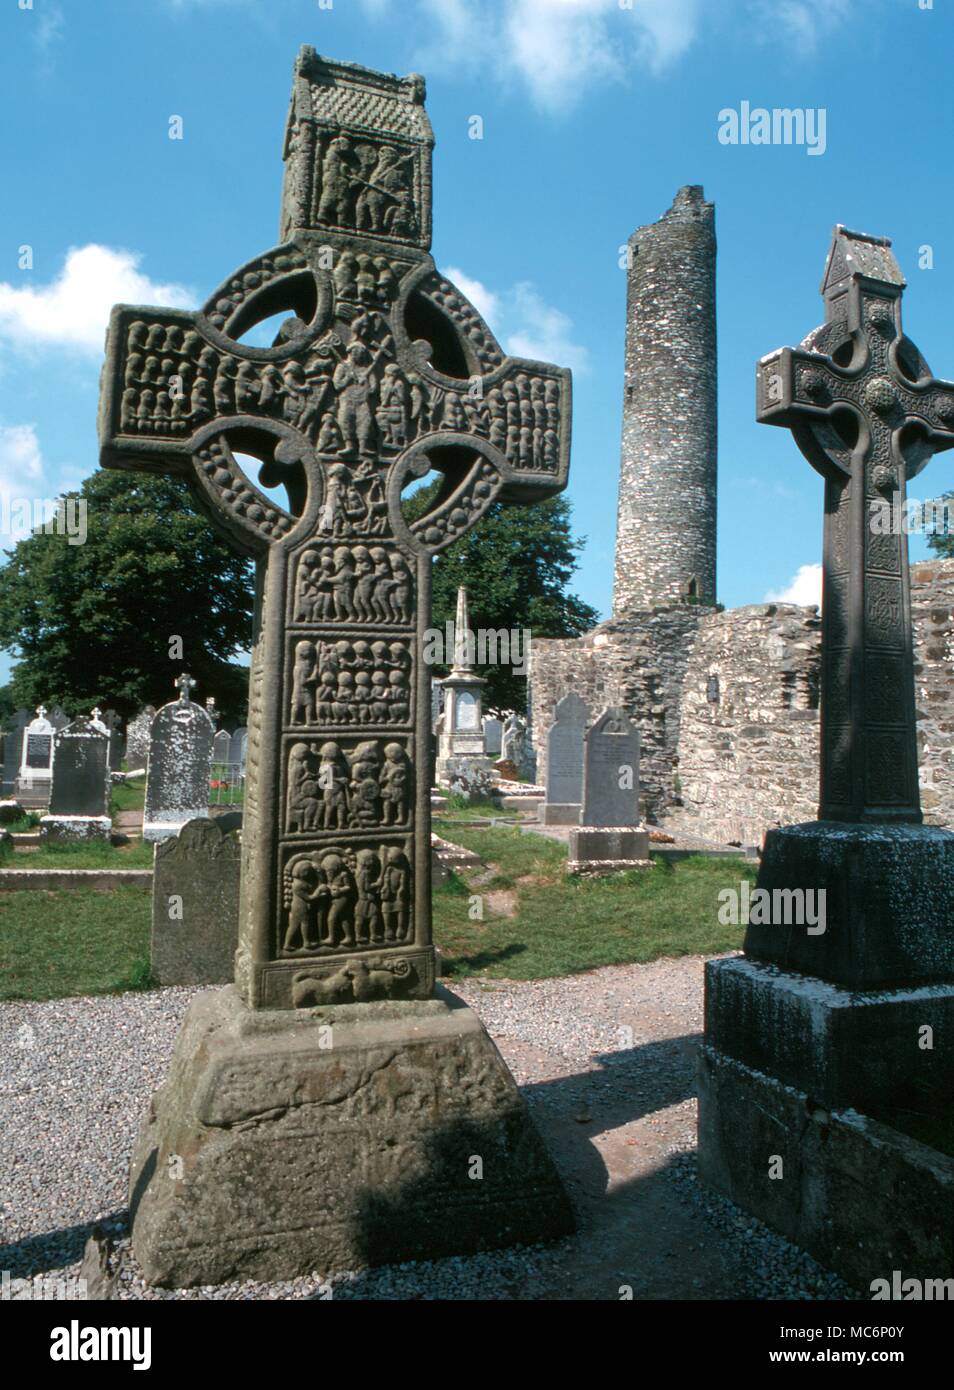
{"x": 180, "y": 766}
{"x": 493, "y": 736}
{"x": 81, "y": 783}
{"x": 195, "y": 896}
{"x": 611, "y": 772}
{"x": 115, "y": 726}
{"x": 58, "y": 717}
{"x": 565, "y": 751}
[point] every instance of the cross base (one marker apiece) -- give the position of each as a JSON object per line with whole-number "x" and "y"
{"x": 889, "y": 903}
{"x": 333, "y": 1138}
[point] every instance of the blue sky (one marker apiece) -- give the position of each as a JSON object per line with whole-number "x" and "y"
{"x": 594, "y": 112}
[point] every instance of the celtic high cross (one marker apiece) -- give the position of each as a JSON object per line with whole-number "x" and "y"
{"x": 868, "y": 415}
{"x": 381, "y": 372}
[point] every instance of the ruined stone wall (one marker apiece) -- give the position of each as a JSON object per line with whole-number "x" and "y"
{"x": 748, "y": 751}
{"x": 639, "y": 663}
{"x": 727, "y": 706}
{"x": 666, "y": 522}
{"x": 932, "y": 612}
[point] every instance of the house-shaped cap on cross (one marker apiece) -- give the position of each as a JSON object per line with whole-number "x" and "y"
{"x": 381, "y": 373}
{"x": 866, "y": 412}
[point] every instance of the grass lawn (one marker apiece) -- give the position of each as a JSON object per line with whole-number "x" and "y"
{"x": 129, "y": 796}
{"x": 456, "y": 809}
{"x": 54, "y": 944}
{"x": 563, "y": 925}
{"x": 73, "y": 942}
{"x": 137, "y": 855}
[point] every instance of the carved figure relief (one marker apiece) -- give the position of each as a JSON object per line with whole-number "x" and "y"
{"x": 362, "y": 787}
{"x": 344, "y": 682}
{"x": 354, "y": 584}
{"x": 346, "y": 897}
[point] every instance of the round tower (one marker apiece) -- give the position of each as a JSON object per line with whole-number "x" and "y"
{"x": 666, "y": 526}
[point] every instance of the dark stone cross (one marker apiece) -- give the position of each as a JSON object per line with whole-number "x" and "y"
{"x": 381, "y": 372}
{"x": 867, "y": 413}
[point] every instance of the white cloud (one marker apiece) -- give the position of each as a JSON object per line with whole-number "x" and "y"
{"x": 804, "y": 22}
{"x": 73, "y": 310}
{"x": 21, "y": 471}
{"x": 484, "y": 300}
{"x": 805, "y": 588}
{"x": 525, "y": 323}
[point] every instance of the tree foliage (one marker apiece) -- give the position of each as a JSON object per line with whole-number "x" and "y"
{"x": 516, "y": 564}
{"x": 95, "y": 623}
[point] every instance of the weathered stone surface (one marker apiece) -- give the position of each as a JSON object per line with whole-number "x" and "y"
{"x": 889, "y": 902}
{"x": 862, "y": 1198}
{"x": 564, "y": 769}
{"x": 81, "y": 784}
{"x": 36, "y": 758}
{"x": 605, "y": 851}
{"x": 365, "y": 389}
{"x": 180, "y": 766}
{"x": 81, "y": 787}
{"x": 11, "y": 744}
{"x": 195, "y": 903}
{"x": 139, "y": 738}
{"x": 666, "y": 527}
{"x": 298, "y": 1154}
{"x": 842, "y": 1047}
{"x": 493, "y": 736}
{"x": 334, "y": 1138}
{"x": 611, "y": 771}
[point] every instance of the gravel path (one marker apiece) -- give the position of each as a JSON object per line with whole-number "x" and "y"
{"x": 605, "y": 1060}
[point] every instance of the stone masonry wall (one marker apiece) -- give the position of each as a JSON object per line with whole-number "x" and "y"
{"x": 666, "y": 526}
{"x": 639, "y": 663}
{"x": 728, "y": 768}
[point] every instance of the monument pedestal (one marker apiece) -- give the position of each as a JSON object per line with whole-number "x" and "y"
{"x": 333, "y": 1138}
{"x": 813, "y": 1085}
{"x": 608, "y": 849}
{"x": 60, "y": 829}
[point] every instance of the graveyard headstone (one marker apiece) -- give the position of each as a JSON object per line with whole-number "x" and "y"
{"x": 36, "y": 758}
{"x": 138, "y": 738}
{"x": 12, "y": 751}
{"x": 80, "y": 788}
{"x": 493, "y": 736}
{"x": 238, "y": 749}
{"x": 355, "y": 400}
{"x": 565, "y": 762}
{"x": 611, "y": 836}
{"x": 180, "y": 765}
{"x": 195, "y": 902}
{"x": 222, "y": 747}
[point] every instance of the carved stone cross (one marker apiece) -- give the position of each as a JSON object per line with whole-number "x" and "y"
{"x": 185, "y": 685}
{"x": 867, "y": 413}
{"x": 381, "y": 373}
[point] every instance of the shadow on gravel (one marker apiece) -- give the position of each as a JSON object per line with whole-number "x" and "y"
{"x": 55, "y": 1249}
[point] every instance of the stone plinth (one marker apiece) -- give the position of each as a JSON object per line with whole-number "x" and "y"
{"x": 558, "y": 813}
{"x": 861, "y": 1197}
{"x": 332, "y": 1138}
{"x": 608, "y": 849}
{"x": 60, "y": 829}
{"x": 889, "y": 902}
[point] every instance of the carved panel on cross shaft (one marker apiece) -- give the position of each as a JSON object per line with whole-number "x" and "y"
{"x": 836, "y": 753}
{"x": 837, "y": 589}
{"x": 838, "y": 688}
{"x": 347, "y": 784}
{"x": 353, "y": 584}
{"x": 349, "y": 681}
{"x": 886, "y": 771}
{"x": 884, "y": 607}
{"x": 884, "y": 687}
{"x": 347, "y": 897}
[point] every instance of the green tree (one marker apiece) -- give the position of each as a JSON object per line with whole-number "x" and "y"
{"x": 516, "y": 564}
{"x": 95, "y": 623}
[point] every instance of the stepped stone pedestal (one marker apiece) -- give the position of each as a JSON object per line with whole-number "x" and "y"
{"x": 335, "y": 1137}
